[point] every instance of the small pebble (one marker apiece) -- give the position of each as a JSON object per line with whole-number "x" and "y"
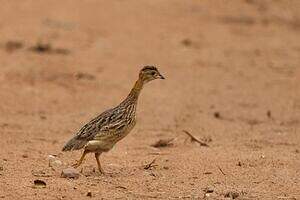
{"x": 51, "y": 157}
{"x": 89, "y": 194}
{"x": 208, "y": 191}
{"x": 232, "y": 195}
{"x": 56, "y": 163}
{"x": 70, "y": 173}
{"x": 53, "y": 161}
{"x": 217, "y": 115}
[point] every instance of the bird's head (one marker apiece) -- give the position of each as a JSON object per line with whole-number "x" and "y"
{"x": 149, "y": 73}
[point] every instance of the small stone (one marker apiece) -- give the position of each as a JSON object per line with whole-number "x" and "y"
{"x": 89, "y": 194}
{"x": 25, "y": 156}
{"x": 208, "y": 191}
{"x": 207, "y": 194}
{"x": 53, "y": 161}
{"x": 51, "y": 157}
{"x": 56, "y": 163}
{"x": 70, "y": 173}
{"x": 232, "y": 195}
{"x": 217, "y": 115}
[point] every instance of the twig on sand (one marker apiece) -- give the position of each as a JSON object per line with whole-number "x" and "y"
{"x": 221, "y": 170}
{"x": 151, "y": 164}
{"x": 194, "y": 139}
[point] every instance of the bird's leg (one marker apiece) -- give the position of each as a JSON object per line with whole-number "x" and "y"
{"x": 79, "y": 162}
{"x": 97, "y": 155}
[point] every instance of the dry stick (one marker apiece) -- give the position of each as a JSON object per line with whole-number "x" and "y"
{"x": 221, "y": 170}
{"x": 148, "y": 166}
{"x": 194, "y": 139}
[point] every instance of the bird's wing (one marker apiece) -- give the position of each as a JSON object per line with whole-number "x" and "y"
{"x": 101, "y": 125}
{"x": 111, "y": 128}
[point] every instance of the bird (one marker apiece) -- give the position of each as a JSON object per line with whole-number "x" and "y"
{"x": 101, "y": 133}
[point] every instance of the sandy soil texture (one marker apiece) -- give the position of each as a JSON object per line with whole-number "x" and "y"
{"x": 232, "y": 73}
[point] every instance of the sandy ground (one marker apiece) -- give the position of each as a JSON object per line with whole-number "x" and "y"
{"x": 232, "y": 70}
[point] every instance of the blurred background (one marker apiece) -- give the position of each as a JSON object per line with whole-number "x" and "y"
{"x": 232, "y": 79}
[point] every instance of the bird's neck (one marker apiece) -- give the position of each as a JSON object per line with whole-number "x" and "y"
{"x": 135, "y": 92}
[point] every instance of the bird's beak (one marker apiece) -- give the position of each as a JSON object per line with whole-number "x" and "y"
{"x": 161, "y": 76}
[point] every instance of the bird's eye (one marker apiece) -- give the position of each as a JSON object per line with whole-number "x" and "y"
{"x": 152, "y": 73}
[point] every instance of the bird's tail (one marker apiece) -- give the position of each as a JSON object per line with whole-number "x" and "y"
{"x": 74, "y": 144}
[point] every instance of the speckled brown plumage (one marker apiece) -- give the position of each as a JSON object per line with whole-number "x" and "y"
{"x": 103, "y": 132}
